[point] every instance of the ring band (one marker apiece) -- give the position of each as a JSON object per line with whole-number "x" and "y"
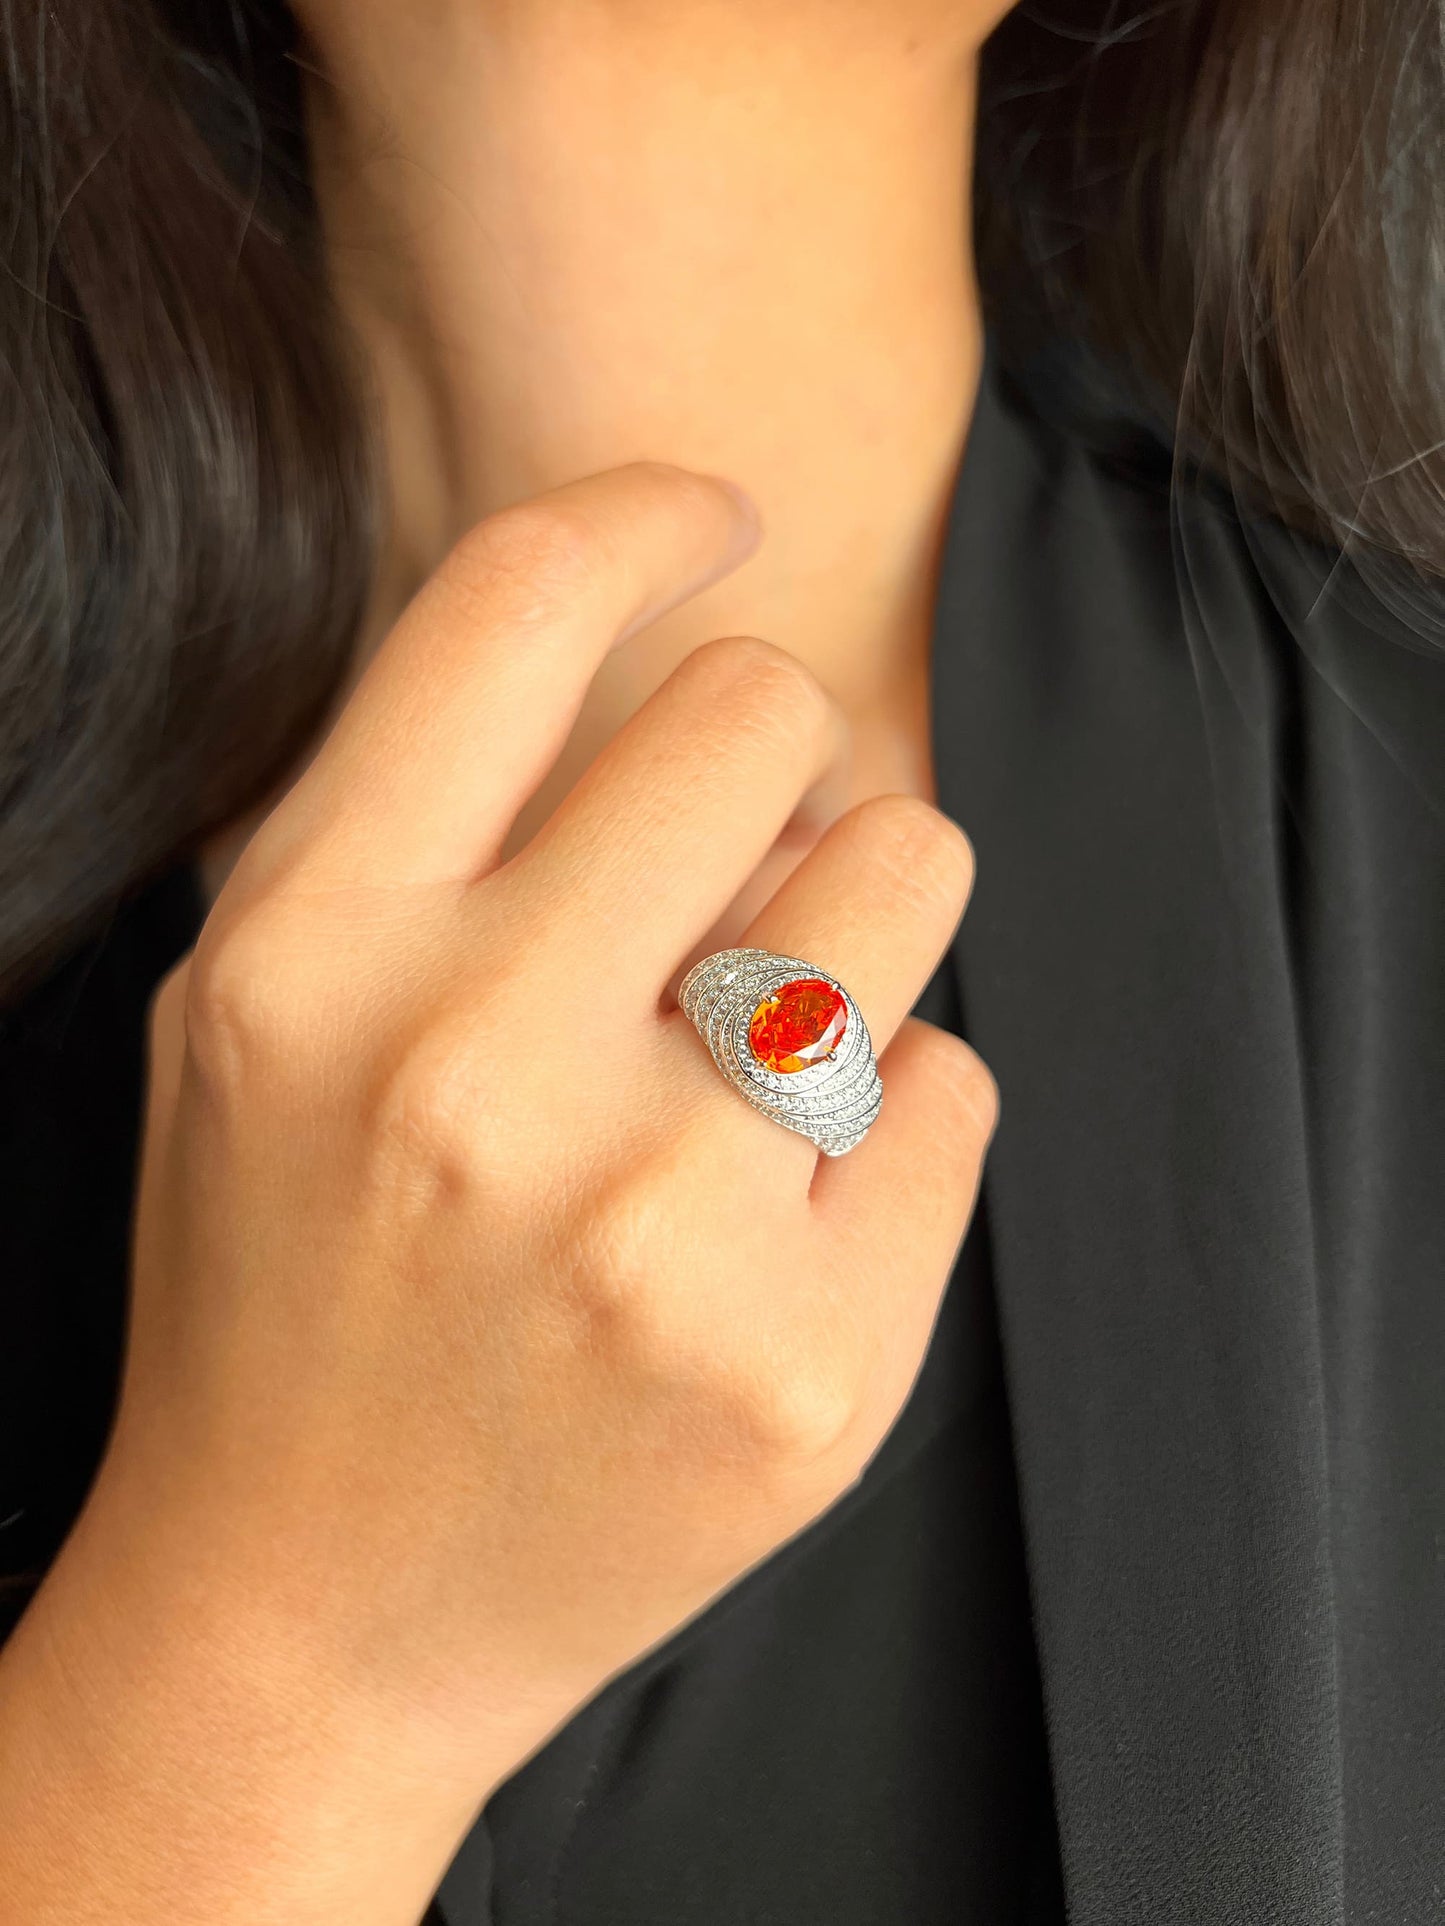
{"x": 790, "y": 1039}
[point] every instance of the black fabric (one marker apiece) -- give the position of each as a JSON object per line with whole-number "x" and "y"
{"x": 1203, "y": 765}
{"x": 1142, "y": 1601}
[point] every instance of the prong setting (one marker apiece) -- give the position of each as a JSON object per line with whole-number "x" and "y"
{"x": 832, "y": 1101}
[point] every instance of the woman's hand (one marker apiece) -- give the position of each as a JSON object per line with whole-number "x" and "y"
{"x": 481, "y": 1333}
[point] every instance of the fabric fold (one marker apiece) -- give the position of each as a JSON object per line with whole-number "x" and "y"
{"x": 1192, "y": 959}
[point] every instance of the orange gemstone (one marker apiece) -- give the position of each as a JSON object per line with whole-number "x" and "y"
{"x": 797, "y": 1025}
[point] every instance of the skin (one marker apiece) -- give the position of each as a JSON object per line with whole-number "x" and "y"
{"x": 771, "y": 279}
{"x": 467, "y": 1362}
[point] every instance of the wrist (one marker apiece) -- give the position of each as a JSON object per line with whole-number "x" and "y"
{"x": 216, "y": 1741}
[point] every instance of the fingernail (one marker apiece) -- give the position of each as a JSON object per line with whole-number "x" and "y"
{"x": 746, "y": 533}
{"x": 750, "y": 518}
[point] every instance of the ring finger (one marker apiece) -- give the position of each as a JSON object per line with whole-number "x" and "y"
{"x": 874, "y": 904}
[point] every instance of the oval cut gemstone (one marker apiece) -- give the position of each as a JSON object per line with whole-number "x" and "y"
{"x": 799, "y": 1024}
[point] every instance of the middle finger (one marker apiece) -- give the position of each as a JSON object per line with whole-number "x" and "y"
{"x": 675, "y": 814}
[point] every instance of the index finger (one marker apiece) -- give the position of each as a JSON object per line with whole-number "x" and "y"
{"x": 467, "y": 703}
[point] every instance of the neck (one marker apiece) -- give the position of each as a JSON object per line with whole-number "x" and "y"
{"x": 734, "y": 238}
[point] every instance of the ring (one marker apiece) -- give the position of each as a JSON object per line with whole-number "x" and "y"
{"x": 789, "y": 1038}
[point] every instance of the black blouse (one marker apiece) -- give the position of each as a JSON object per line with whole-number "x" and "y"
{"x": 1140, "y": 1609}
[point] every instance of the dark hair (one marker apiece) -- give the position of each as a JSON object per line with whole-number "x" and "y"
{"x": 183, "y": 479}
{"x": 1237, "y": 200}
{"x": 1242, "y": 202}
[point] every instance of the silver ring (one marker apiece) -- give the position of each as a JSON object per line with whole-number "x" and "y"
{"x": 789, "y": 1038}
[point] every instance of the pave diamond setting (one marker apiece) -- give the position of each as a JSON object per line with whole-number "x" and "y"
{"x": 830, "y": 1096}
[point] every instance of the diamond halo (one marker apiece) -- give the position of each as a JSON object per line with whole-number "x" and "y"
{"x": 832, "y": 1101}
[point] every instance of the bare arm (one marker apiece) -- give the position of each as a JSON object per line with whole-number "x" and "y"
{"x": 174, "y": 1750}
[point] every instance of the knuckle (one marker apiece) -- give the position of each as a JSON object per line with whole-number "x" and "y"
{"x": 620, "y": 1242}
{"x": 761, "y": 684}
{"x": 926, "y": 854}
{"x": 531, "y": 558}
{"x": 234, "y": 1002}
{"x": 970, "y": 1083}
{"x": 802, "y": 1415}
{"x": 423, "y": 1114}
{"x": 666, "y": 489}
{"x": 781, "y": 1396}
{"x": 981, "y": 1094}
